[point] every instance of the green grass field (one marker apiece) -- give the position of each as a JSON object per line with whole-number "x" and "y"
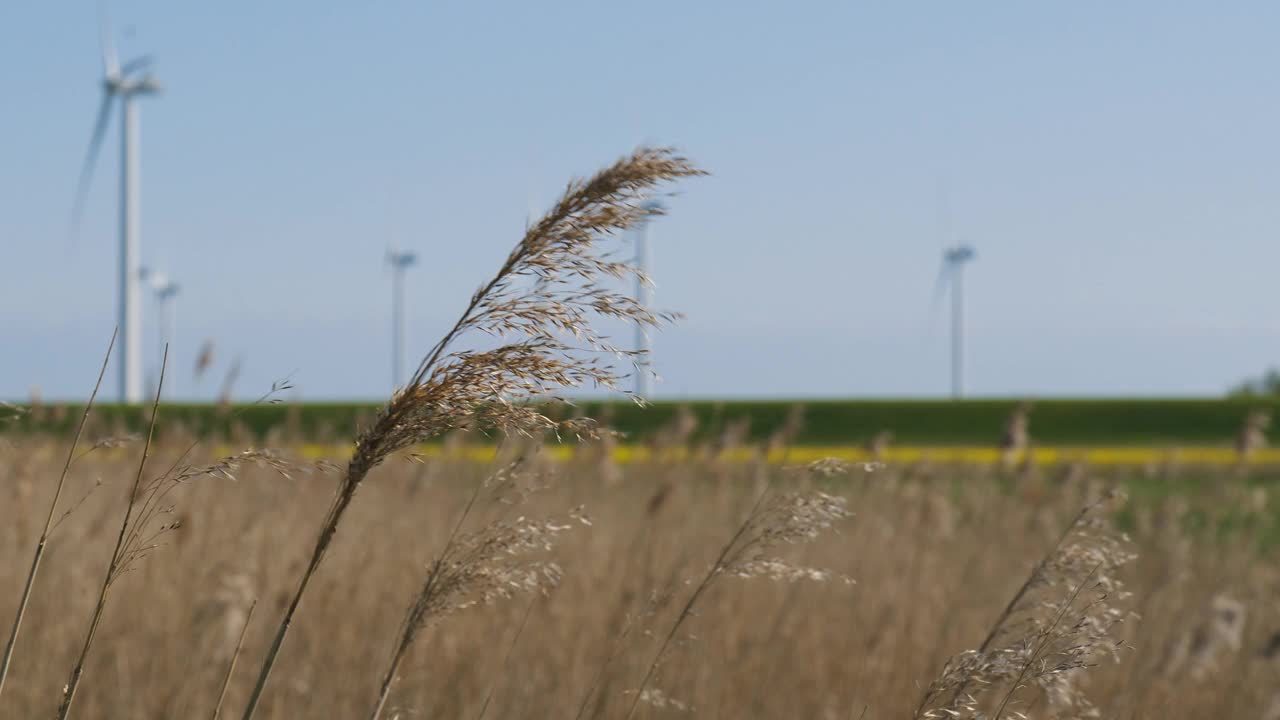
{"x": 1111, "y": 422}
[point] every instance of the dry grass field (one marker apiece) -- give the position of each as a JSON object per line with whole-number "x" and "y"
{"x": 168, "y": 582}
{"x": 933, "y": 555}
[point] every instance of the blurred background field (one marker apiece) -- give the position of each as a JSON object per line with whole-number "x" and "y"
{"x": 1106, "y": 423}
{"x": 935, "y": 551}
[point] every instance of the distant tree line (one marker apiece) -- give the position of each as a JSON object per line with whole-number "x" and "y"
{"x": 1266, "y": 385}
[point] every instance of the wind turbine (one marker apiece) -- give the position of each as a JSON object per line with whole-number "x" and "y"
{"x": 644, "y": 297}
{"x": 125, "y": 83}
{"x": 953, "y": 261}
{"x": 399, "y": 262}
{"x": 166, "y": 292}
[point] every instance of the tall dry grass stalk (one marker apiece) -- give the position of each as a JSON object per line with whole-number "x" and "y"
{"x": 541, "y": 302}
{"x": 477, "y": 568}
{"x": 773, "y": 521}
{"x": 231, "y": 665}
{"x": 49, "y": 522}
{"x": 121, "y": 557}
{"x": 142, "y": 527}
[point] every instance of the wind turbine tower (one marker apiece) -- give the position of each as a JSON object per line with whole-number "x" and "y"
{"x": 644, "y": 298}
{"x": 124, "y": 83}
{"x": 399, "y": 262}
{"x": 953, "y": 261}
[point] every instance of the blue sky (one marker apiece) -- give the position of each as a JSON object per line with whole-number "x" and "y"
{"x": 1115, "y": 164}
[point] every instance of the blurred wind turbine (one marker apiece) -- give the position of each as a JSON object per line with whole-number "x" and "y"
{"x": 644, "y": 298}
{"x": 399, "y": 262}
{"x": 166, "y": 292}
{"x": 124, "y": 83}
{"x": 952, "y": 272}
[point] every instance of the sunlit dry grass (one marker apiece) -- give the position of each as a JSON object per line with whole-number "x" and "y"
{"x": 936, "y": 556}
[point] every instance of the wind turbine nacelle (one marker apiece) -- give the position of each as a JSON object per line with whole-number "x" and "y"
{"x": 957, "y": 255}
{"x": 146, "y": 86}
{"x": 401, "y": 259}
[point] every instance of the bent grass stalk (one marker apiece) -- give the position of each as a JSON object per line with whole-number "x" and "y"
{"x": 506, "y": 660}
{"x": 474, "y": 568}
{"x": 118, "y": 557}
{"x": 789, "y": 519}
{"x": 1014, "y": 601}
{"x": 717, "y": 568}
{"x": 1045, "y": 639}
{"x": 1079, "y": 642}
{"x": 561, "y": 269}
{"x": 416, "y": 616}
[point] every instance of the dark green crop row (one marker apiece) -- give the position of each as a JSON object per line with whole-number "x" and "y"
{"x": 823, "y": 422}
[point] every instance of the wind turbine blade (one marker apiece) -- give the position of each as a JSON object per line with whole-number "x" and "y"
{"x": 90, "y": 160}
{"x": 110, "y": 63}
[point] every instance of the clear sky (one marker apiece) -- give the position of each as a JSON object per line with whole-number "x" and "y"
{"x": 1116, "y": 165}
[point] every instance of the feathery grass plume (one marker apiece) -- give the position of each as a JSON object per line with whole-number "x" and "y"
{"x": 1061, "y": 622}
{"x": 49, "y": 523}
{"x": 541, "y": 302}
{"x": 773, "y": 521}
{"x": 476, "y": 568}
